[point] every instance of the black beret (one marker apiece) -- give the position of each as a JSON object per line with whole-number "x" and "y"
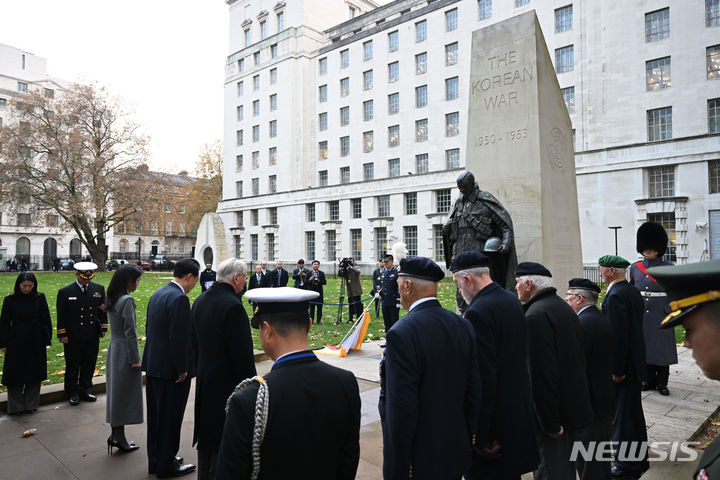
{"x": 420, "y": 267}
{"x": 468, "y": 260}
{"x": 531, "y": 268}
{"x": 583, "y": 284}
{"x": 387, "y": 257}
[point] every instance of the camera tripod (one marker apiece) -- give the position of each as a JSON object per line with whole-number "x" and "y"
{"x": 341, "y": 299}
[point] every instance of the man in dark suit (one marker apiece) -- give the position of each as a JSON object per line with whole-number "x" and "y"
{"x": 207, "y": 277}
{"x": 599, "y": 341}
{"x": 377, "y": 284}
{"x": 429, "y": 383}
{"x": 312, "y": 425}
{"x": 169, "y": 370}
{"x": 258, "y": 280}
{"x": 623, "y": 306}
{"x": 557, "y": 371}
{"x": 505, "y": 444}
{"x": 316, "y": 280}
{"x": 390, "y": 300}
{"x": 694, "y": 301}
{"x": 81, "y": 322}
{"x": 300, "y": 275}
{"x": 279, "y": 276}
{"x": 223, "y": 357}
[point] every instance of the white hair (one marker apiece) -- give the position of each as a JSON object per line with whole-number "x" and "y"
{"x": 621, "y": 271}
{"x": 229, "y": 268}
{"x": 538, "y": 281}
{"x": 474, "y": 272}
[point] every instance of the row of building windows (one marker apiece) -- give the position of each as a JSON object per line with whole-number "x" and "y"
{"x": 272, "y": 77}
{"x": 422, "y": 165}
{"x": 263, "y": 26}
{"x": 661, "y": 180}
{"x": 442, "y": 201}
{"x": 240, "y": 134}
{"x": 451, "y": 84}
{"x": 452, "y": 129}
{"x": 380, "y": 236}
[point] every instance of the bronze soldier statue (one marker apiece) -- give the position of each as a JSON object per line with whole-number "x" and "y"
{"x": 478, "y": 222}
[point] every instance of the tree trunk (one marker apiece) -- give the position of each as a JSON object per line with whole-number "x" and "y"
{"x": 97, "y": 253}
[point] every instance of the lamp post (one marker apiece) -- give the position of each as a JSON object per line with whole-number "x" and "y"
{"x": 616, "y": 229}
{"x": 139, "y": 246}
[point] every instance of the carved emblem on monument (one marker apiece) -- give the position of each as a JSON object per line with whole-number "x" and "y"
{"x": 557, "y": 150}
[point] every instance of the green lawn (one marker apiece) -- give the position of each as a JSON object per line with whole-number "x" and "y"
{"x": 321, "y": 335}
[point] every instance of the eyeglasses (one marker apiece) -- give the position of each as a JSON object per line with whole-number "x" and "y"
{"x": 571, "y": 294}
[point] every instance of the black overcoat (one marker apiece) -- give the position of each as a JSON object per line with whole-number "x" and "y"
{"x": 599, "y": 341}
{"x": 79, "y": 316}
{"x": 557, "y": 363}
{"x": 25, "y": 330}
{"x": 506, "y": 413}
{"x": 429, "y": 394}
{"x": 223, "y": 356}
{"x": 623, "y": 306}
{"x": 660, "y": 347}
{"x": 313, "y": 426}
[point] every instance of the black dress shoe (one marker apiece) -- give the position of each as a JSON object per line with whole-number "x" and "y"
{"x": 179, "y": 459}
{"x": 88, "y": 397}
{"x": 663, "y": 390}
{"x": 178, "y": 471}
{"x": 645, "y": 386}
{"x": 74, "y": 399}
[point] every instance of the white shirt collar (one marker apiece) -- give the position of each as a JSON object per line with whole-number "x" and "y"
{"x": 583, "y": 309}
{"x": 288, "y": 353}
{"x": 418, "y": 302}
{"x": 179, "y": 286}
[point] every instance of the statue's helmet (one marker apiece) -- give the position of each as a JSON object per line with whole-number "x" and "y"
{"x": 492, "y": 244}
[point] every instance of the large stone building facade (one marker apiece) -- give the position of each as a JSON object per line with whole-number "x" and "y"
{"x": 345, "y": 122}
{"x": 39, "y": 237}
{"x": 25, "y": 234}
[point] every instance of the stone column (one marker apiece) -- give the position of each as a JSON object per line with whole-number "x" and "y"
{"x": 520, "y": 145}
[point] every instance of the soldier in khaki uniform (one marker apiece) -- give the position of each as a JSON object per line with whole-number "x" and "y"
{"x": 80, "y": 324}
{"x": 694, "y": 294}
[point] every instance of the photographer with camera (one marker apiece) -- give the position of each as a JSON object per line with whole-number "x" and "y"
{"x": 316, "y": 280}
{"x": 354, "y": 288}
{"x": 300, "y": 275}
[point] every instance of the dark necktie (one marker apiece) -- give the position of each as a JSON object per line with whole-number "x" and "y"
{"x": 84, "y": 289}
{"x": 278, "y": 278}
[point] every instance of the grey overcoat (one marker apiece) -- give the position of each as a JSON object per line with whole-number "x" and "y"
{"x": 660, "y": 348}
{"x": 124, "y": 385}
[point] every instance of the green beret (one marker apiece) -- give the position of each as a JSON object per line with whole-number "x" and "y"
{"x": 613, "y": 261}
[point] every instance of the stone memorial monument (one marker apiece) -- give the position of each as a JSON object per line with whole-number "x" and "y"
{"x": 520, "y": 144}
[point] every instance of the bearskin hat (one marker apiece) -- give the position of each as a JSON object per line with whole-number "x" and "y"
{"x": 652, "y": 236}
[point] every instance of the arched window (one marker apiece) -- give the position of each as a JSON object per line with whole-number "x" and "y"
{"x": 75, "y": 248}
{"x": 22, "y": 247}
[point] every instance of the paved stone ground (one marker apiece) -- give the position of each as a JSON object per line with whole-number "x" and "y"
{"x": 70, "y": 441}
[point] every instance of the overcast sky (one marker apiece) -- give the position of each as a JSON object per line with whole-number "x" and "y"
{"x": 164, "y": 58}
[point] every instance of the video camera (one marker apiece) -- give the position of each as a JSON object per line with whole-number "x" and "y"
{"x": 343, "y": 267}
